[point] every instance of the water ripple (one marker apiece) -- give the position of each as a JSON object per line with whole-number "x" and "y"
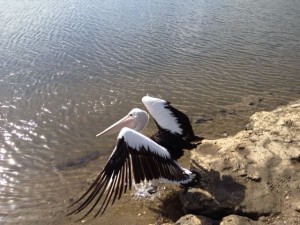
{"x": 70, "y": 68}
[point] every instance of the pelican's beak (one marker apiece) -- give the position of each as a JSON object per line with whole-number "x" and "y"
{"x": 126, "y": 121}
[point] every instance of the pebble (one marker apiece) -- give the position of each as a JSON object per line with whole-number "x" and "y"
{"x": 224, "y": 134}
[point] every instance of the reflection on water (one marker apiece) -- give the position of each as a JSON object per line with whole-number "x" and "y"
{"x": 70, "y": 68}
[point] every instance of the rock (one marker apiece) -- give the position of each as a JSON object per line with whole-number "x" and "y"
{"x": 194, "y": 220}
{"x": 227, "y": 111}
{"x": 237, "y": 220}
{"x": 203, "y": 119}
{"x": 255, "y": 173}
{"x": 253, "y": 100}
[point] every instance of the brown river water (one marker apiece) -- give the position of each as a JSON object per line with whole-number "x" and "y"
{"x": 70, "y": 68}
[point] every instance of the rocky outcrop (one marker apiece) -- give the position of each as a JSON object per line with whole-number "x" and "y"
{"x": 252, "y": 177}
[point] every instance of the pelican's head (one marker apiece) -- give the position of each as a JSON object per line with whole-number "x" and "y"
{"x": 136, "y": 119}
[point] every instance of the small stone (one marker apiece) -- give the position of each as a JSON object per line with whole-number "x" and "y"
{"x": 249, "y": 126}
{"x": 201, "y": 120}
{"x": 224, "y": 134}
{"x": 194, "y": 220}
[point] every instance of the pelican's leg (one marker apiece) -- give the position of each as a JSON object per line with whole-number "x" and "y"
{"x": 153, "y": 188}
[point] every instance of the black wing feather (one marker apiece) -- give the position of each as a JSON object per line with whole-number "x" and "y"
{"x": 116, "y": 177}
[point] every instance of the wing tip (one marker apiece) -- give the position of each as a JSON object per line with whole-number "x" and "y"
{"x": 152, "y": 100}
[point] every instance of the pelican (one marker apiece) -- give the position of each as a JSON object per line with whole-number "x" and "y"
{"x": 139, "y": 158}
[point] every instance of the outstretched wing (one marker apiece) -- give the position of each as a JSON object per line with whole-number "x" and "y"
{"x": 135, "y": 156}
{"x": 169, "y": 118}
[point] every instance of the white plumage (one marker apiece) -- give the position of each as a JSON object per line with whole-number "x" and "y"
{"x": 137, "y": 157}
{"x": 165, "y": 118}
{"x": 137, "y": 142}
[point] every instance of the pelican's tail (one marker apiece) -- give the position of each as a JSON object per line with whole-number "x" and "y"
{"x": 193, "y": 178}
